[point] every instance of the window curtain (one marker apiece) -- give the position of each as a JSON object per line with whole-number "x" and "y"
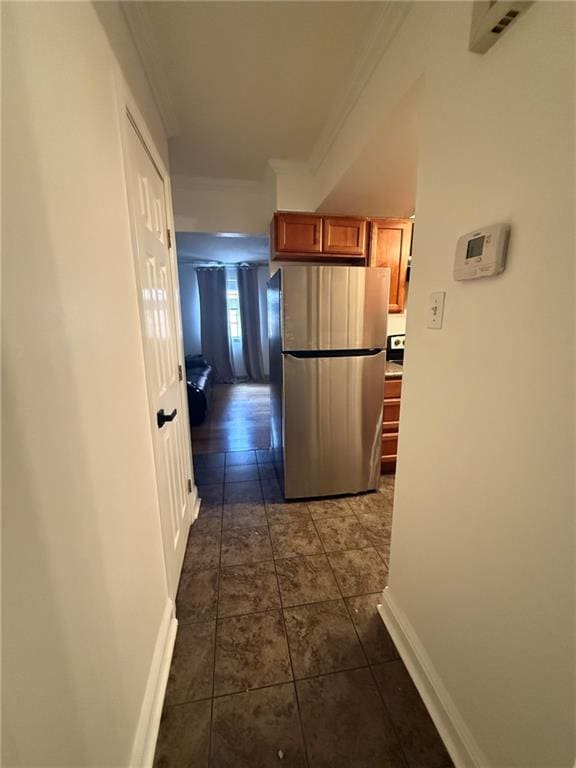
{"x": 214, "y": 322}
{"x": 249, "y": 298}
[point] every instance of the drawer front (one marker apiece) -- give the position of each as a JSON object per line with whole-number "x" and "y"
{"x": 392, "y": 388}
{"x": 391, "y": 411}
{"x": 389, "y": 445}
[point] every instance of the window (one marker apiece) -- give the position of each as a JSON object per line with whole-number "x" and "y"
{"x": 233, "y": 305}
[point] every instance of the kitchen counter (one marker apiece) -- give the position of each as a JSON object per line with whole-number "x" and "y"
{"x": 393, "y": 370}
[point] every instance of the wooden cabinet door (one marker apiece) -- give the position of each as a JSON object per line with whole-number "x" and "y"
{"x": 297, "y": 233}
{"x": 344, "y": 235}
{"x": 390, "y": 247}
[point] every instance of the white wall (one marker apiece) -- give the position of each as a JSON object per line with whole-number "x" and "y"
{"x": 84, "y": 587}
{"x": 221, "y": 205}
{"x": 295, "y": 186}
{"x": 482, "y": 567}
{"x": 381, "y": 178}
{"x": 190, "y": 305}
{"x": 120, "y": 39}
{"x": 396, "y": 323}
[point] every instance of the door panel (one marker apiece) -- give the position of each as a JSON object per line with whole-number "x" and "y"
{"x": 298, "y": 234}
{"x": 347, "y": 236}
{"x": 332, "y": 424}
{"x": 147, "y": 195}
{"x": 334, "y": 307}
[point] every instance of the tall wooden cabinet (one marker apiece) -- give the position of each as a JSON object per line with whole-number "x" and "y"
{"x": 390, "y": 247}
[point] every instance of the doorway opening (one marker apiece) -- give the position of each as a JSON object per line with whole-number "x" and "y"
{"x": 223, "y": 280}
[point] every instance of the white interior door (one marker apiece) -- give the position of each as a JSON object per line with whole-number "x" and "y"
{"x": 168, "y": 406}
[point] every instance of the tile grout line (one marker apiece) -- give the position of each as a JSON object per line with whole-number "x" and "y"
{"x": 285, "y": 682}
{"x": 274, "y": 685}
{"x": 346, "y": 608}
{"x": 306, "y": 756}
{"x": 343, "y": 597}
{"x": 283, "y": 606}
{"x": 371, "y": 672}
{"x": 368, "y": 662}
{"x": 388, "y": 713}
{"x": 369, "y": 665}
{"x": 216, "y": 632}
{"x": 326, "y": 555}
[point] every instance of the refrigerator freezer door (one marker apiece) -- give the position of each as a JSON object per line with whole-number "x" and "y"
{"x": 332, "y": 424}
{"x": 334, "y": 307}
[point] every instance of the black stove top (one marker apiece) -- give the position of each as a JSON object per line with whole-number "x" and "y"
{"x": 395, "y": 347}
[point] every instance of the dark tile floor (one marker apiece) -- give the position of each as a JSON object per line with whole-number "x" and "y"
{"x": 281, "y": 658}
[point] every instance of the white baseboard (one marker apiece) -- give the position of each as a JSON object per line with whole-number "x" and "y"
{"x": 454, "y": 732}
{"x": 151, "y": 710}
{"x": 196, "y": 501}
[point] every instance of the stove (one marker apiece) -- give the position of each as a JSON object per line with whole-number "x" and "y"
{"x": 395, "y": 348}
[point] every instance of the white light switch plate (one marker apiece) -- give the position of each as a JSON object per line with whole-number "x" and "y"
{"x": 436, "y": 309}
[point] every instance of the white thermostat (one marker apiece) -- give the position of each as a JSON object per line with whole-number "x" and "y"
{"x": 482, "y": 253}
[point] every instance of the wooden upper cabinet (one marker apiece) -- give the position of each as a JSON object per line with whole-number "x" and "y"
{"x": 311, "y": 237}
{"x": 353, "y": 240}
{"x": 390, "y": 247}
{"x": 297, "y": 233}
{"x": 344, "y": 235}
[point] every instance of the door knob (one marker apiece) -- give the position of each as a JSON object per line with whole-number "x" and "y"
{"x": 162, "y": 418}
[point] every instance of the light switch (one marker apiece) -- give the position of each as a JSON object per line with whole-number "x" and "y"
{"x": 436, "y": 309}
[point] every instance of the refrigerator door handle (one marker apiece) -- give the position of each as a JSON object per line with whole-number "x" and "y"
{"x": 309, "y": 353}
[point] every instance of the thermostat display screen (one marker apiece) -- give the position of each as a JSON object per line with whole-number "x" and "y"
{"x": 475, "y": 247}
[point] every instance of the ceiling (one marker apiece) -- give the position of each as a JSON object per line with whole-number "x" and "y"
{"x": 223, "y": 248}
{"x": 248, "y": 81}
{"x": 382, "y": 178}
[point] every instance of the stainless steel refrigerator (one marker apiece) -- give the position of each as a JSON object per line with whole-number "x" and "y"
{"x": 327, "y": 328}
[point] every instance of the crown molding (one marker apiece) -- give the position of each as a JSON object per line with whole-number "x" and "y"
{"x": 289, "y": 167}
{"x": 384, "y": 26}
{"x": 147, "y": 47}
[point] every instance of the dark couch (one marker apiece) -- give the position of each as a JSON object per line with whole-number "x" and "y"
{"x": 199, "y": 385}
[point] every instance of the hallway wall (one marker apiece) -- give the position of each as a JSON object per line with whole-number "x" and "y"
{"x": 481, "y": 584}
{"x": 84, "y": 588}
{"x": 485, "y": 494}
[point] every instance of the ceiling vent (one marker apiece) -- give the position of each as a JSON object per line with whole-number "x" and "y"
{"x": 490, "y": 20}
